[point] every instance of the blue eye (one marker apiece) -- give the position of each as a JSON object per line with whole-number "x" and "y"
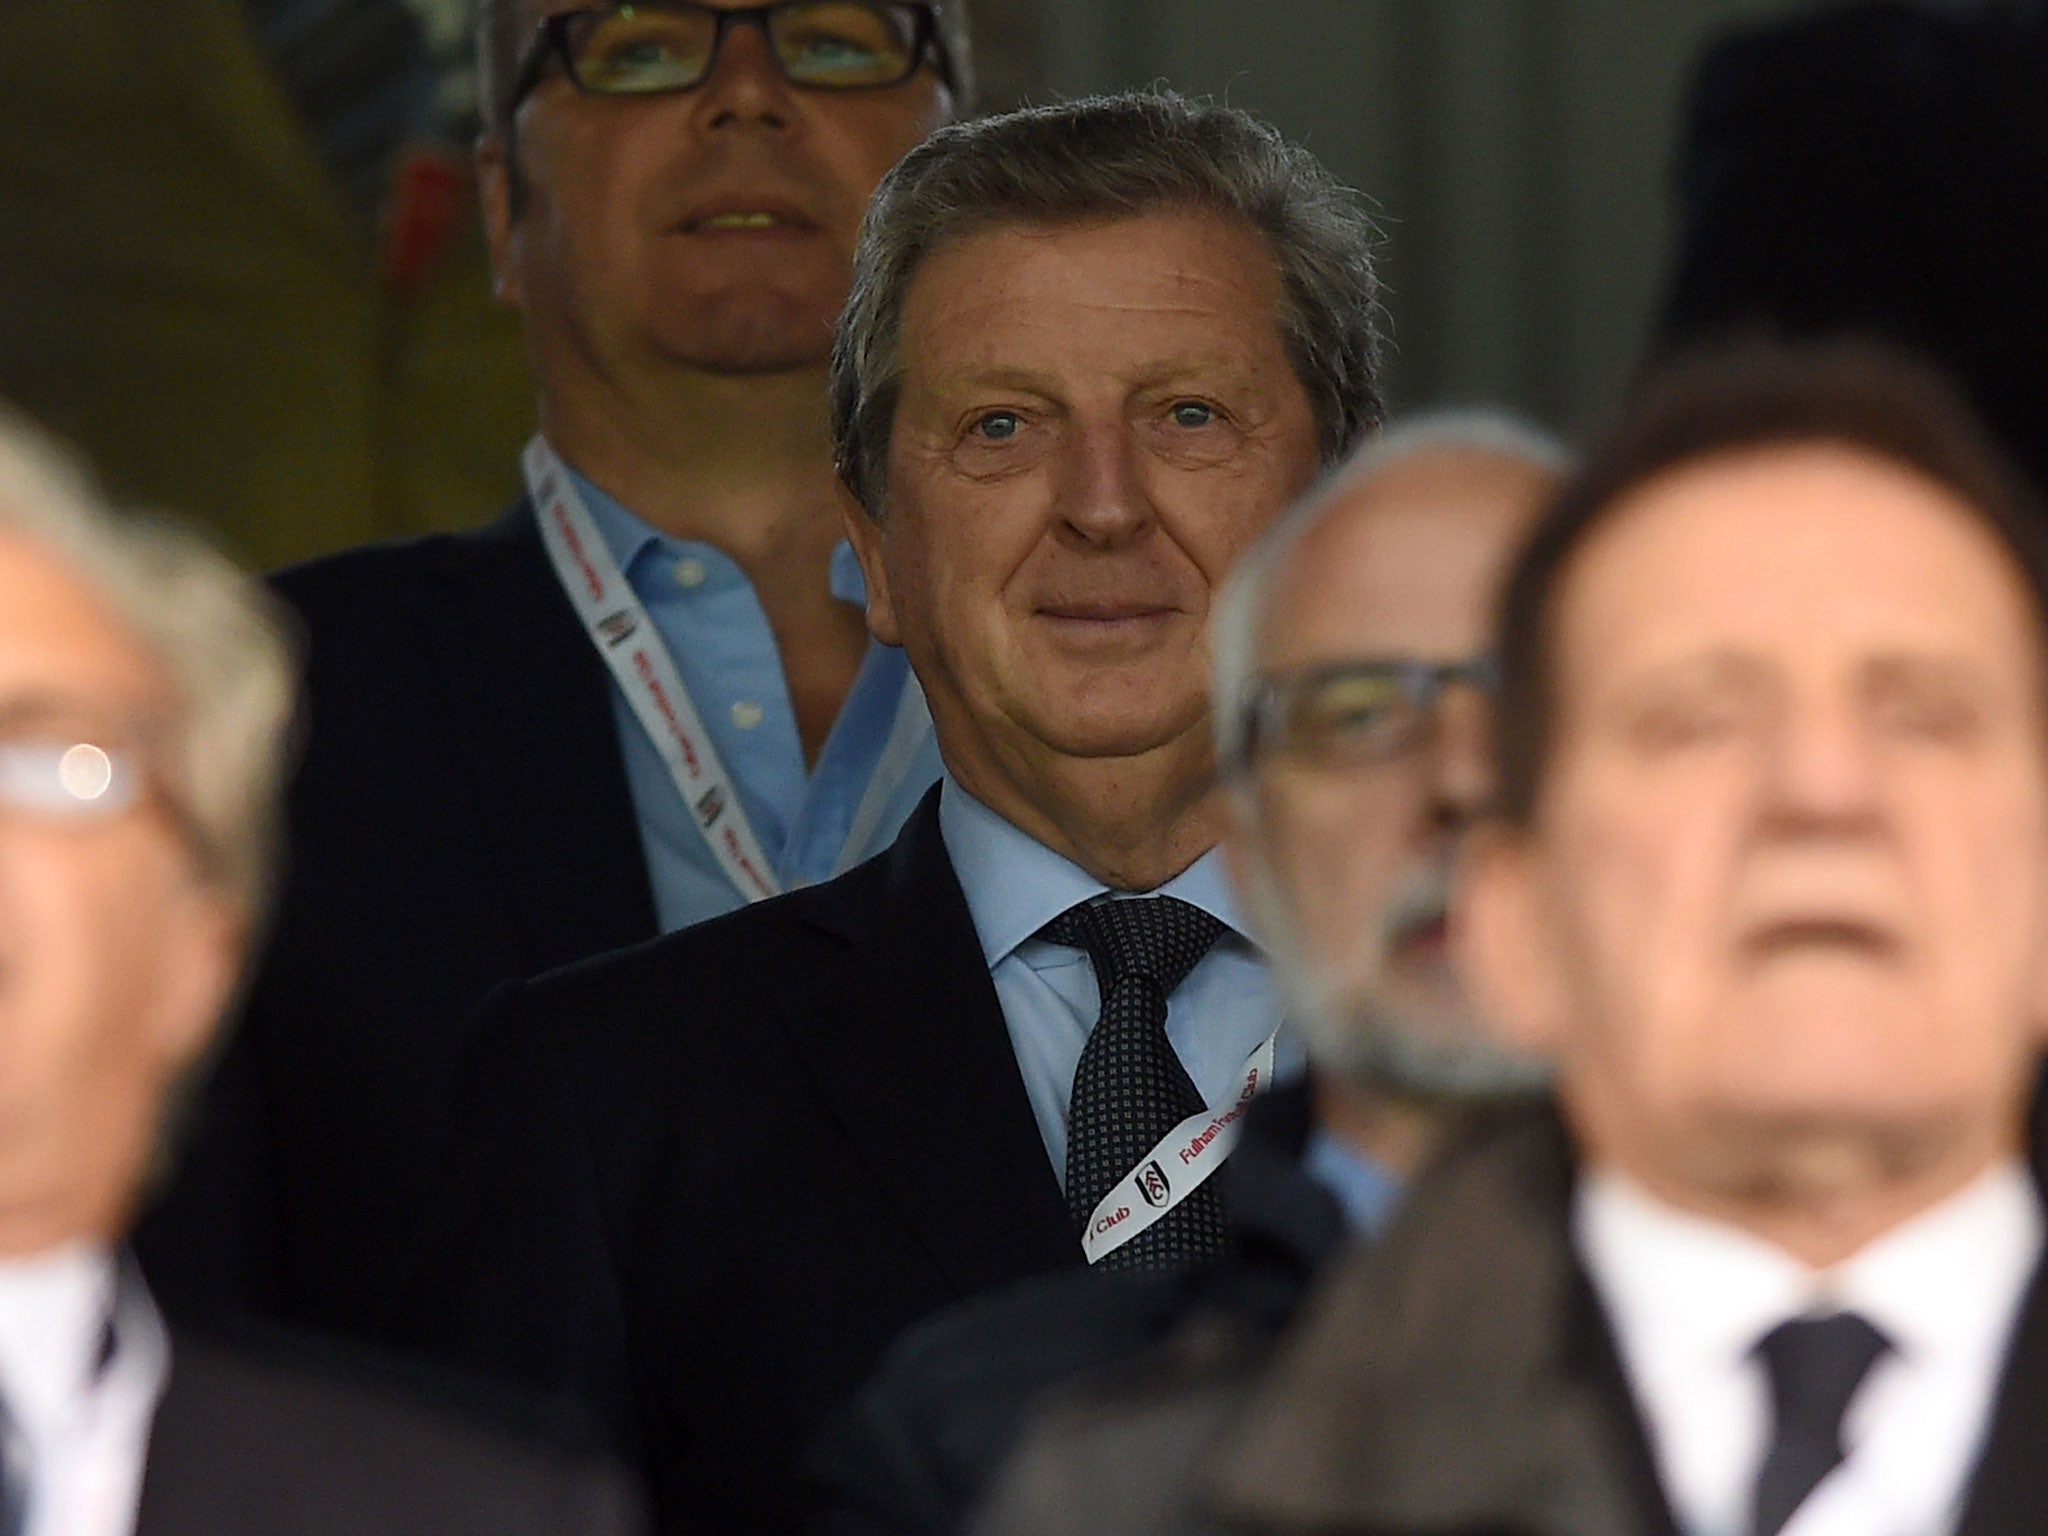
{"x": 1192, "y": 413}
{"x": 999, "y": 426}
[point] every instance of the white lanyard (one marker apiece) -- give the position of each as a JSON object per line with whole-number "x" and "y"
{"x": 631, "y": 646}
{"x": 1176, "y": 1167}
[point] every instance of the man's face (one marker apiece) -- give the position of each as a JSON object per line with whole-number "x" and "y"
{"x": 1783, "y": 900}
{"x": 1346, "y": 830}
{"x": 711, "y": 228}
{"x": 1094, "y": 421}
{"x": 114, "y": 960}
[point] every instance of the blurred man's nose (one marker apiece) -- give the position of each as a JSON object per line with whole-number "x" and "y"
{"x": 1461, "y": 763}
{"x": 1819, "y": 767}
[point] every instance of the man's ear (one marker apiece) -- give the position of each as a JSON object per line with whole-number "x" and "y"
{"x": 494, "y": 173}
{"x": 865, "y": 534}
{"x": 1504, "y": 948}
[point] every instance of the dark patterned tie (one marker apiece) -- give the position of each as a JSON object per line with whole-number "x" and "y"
{"x": 1815, "y": 1365}
{"x": 1130, "y": 1088}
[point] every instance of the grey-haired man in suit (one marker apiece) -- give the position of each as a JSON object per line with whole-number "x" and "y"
{"x": 145, "y": 695}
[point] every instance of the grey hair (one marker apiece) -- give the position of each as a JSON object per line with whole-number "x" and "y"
{"x": 1247, "y": 592}
{"x": 218, "y": 634}
{"x": 505, "y": 29}
{"x": 1104, "y": 158}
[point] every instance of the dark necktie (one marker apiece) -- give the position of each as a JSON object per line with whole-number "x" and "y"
{"x": 1130, "y": 1088}
{"x": 1815, "y": 1365}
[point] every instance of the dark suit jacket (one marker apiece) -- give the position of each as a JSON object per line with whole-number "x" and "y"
{"x": 1460, "y": 1377}
{"x": 709, "y": 1179}
{"x": 917, "y": 1450}
{"x": 1880, "y": 167}
{"x": 461, "y": 818}
{"x": 241, "y": 1446}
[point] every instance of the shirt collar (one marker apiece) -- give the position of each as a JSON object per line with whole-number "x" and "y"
{"x": 626, "y": 536}
{"x": 1937, "y": 1281}
{"x": 629, "y": 538}
{"x": 1015, "y": 885}
{"x": 54, "y": 1311}
{"x": 1951, "y": 1278}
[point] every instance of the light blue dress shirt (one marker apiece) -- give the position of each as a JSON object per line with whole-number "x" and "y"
{"x": 707, "y": 614}
{"x": 1015, "y": 885}
{"x": 1366, "y": 1191}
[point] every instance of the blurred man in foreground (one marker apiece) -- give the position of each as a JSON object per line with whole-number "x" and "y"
{"x": 144, "y": 695}
{"x": 1351, "y": 662}
{"x": 1770, "y": 891}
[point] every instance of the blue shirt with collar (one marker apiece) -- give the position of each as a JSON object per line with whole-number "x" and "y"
{"x": 1366, "y": 1191}
{"x": 708, "y": 616}
{"x": 1015, "y": 885}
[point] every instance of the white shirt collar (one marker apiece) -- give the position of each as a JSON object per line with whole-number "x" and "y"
{"x": 1680, "y": 1274}
{"x": 55, "y": 1309}
{"x": 1689, "y": 1297}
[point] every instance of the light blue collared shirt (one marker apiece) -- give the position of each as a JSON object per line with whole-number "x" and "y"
{"x": 1365, "y": 1190}
{"x": 707, "y": 614}
{"x": 1015, "y": 885}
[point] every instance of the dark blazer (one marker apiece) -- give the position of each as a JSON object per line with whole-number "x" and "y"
{"x": 241, "y": 1446}
{"x": 460, "y": 818}
{"x": 1460, "y": 1377}
{"x": 917, "y": 1449}
{"x": 707, "y": 1180}
{"x": 1879, "y": 167}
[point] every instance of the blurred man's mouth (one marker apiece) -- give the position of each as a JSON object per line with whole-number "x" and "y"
{"x": 1417, "y": 927}
{"x": 1851, "y": 936}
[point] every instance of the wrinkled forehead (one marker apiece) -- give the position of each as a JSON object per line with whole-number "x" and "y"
{"x": 1801, "y": 558}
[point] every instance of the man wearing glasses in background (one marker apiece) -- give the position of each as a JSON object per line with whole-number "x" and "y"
{"x": 647, "y": 694}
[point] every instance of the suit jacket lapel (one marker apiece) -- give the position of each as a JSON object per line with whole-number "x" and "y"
{"x": 531, "y": 712}
{"x": 2008, "y": 1492}
{"x": 907, "y": 1042}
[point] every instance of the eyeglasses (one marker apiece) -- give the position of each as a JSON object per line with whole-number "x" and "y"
{"x": 68, "y": 781}
{"x": 67, "y": 761}
{"x": 672, "y": 45}
{"x": 1350, "y": 713}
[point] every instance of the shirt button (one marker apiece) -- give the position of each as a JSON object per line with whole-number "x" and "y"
{"x": 690, "y": 573}
{"x": 747, "y": 715}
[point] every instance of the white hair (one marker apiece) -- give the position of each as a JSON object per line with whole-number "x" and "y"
{"x": 217, "y": 632}
{"x": 1241, "y": 609}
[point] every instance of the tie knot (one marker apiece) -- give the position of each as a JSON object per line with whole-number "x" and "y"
{"x": 1816, "y": 1364}
{"x": 1157, "y": 937}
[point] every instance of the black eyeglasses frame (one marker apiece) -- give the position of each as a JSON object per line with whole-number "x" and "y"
{"x": 551, "y": 44}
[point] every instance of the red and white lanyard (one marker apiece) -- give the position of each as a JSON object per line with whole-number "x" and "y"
{"x": 1177, "y": 1166}
{"x": 619, "y": 626}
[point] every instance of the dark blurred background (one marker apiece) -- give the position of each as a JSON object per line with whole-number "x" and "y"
{"x": 195, "y": 284}
{"x": 1519, "y": 151}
